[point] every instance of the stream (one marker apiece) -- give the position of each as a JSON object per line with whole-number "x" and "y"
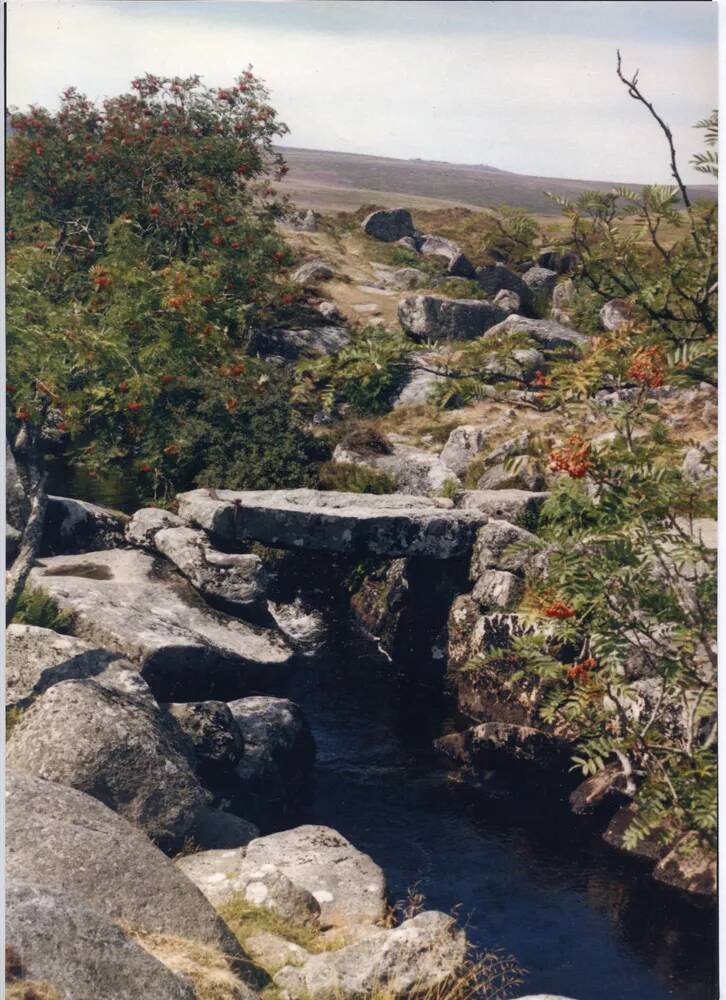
{"x": 525, "y": 876}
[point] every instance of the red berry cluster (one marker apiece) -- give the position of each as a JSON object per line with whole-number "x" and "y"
{"x": 648, "y": 367}
{"x": 102, "y": 279}
{"x": 558, "y": 610}
{"x": 573, "y": 457}
{"x": 581, "y": 671}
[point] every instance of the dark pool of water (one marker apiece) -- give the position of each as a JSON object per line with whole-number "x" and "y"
{"x": 117, "y": 490}
{"x": 529, "y": 879}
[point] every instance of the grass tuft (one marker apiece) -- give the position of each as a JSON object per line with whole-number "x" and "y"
{"x": 26, "y": 990}
{"x": 212, "y": 974}
{"x": 37, "y": 607}
{"x": 13, "y": 715}
{"x": 350, "y": 478}
{"x": 244, "y": 920}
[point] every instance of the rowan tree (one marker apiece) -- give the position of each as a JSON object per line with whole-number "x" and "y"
{"x": 141, "y": 245}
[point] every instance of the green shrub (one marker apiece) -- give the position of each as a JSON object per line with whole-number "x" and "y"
{"x": 366, "y": 440}
{"x": 450, "y": 488}
{"x": 259, "y": 443}
{"x": 461, "y": 288}
{"x": 37, "y": 607}
{"x": 349, "y": 478}
{"x": 364, "y": 376}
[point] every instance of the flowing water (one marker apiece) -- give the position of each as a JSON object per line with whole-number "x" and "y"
{"x": 526, "y": 876}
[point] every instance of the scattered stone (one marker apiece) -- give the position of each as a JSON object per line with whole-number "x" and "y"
{"x": 650, "y": 848}
{"x": 501, "y": 545}
{"x": 461, "y": 267}
{"x": 410, "y": 243}
{"x": 302, "y": 221}
{"x": 488, "y": 691}
{"x": 545, "y": 332}
{"x": 113, "y": 746}
{"x": 290, "y": 344}
{"x": 491, "y": 743}
{"x": 508, "y": 300}
{"x": 520, "y": 507}
{"x": 699, "y": 462}
{"x": 271, "y": 778}
{"x": 367, "y": 308}
{"x": 272, "y": 951}
{"x": 615, "y": 313}
{"x": 211, "y": 729}
{"x": 80, "y": 952}
{"x": 380, "y": 603}
{"x": 422, "y": 955}
{"x": 541, "y": 282}
{"x": 145, "y": 524}
{"x": 37, "y": 658}
{"x": 563, "y": 294}
{"x": 237, "y": 581}
{"x": 495, "y": 278}
{"x": 222, "y": 875}
{"x": 348, "y": 885}
{"x": 543, "y": 996}
{"x": 561, "y": 317}
{"x": 389, "y": 225}
{"x": 414, "y": 471}
{"x": 689, "y": 867}
{"x": 597, "y": 787}
{"x": 529, "y": 361}
{"x": 71, "y": 843}
{"x": 419, "y": 385}
{"x": 523, "y": 478}
{"x": 498, "y": 590}
{"x": 73, "y": 526}
{"x": 410, "y": 277}
{"x": 392, "y": 525}
{"x": 463, "y": 445}
{"x": 428, "y": 317}
{"x": 557, "y": 260}
{"x": 328, "y": 310}
{"x": 512, "y": 446}
{"x": 217, "y": 829}
{"x": 438, "y": 246}
{"x": 313, "y": 272}
{"x": 127, "y": 601}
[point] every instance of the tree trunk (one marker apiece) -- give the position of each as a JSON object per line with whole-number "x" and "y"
{"x": 17, "y": 575}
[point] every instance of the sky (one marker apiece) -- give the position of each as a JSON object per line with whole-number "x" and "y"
{"x": 522, "y": 86}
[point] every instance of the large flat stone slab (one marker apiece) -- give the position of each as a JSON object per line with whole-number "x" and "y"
{"x": 130, "y": 602}
{"x": 391, "y": 525}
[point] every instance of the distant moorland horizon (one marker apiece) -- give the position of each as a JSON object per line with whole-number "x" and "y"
{"x": 332, "y": 179}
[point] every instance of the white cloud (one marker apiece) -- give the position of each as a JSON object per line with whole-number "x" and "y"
{"x": 543, "y": 104}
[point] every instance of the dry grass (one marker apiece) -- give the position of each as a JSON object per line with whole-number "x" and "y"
{"x": 27, "y": 990}
{"x": 212, "y": 974}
